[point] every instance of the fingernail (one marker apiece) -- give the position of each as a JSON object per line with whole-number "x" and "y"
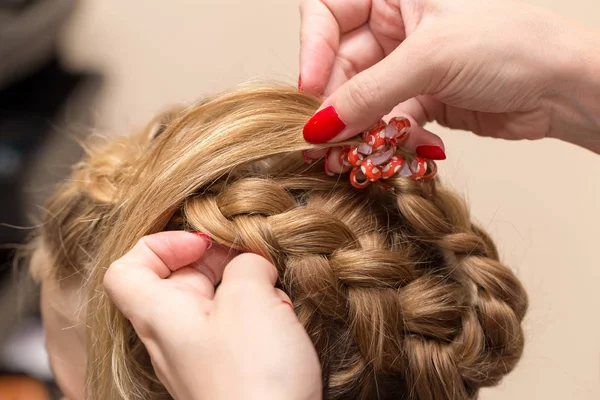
{"x": 289, "y": 304}
{"x": 205, "y": 237}
{"x": 307, "y": 159}
{"x": 300, "y": 82}
{"x": 327, "y": 170}
{"x": 431, "y": 152}
{"x": 323, "y": 126}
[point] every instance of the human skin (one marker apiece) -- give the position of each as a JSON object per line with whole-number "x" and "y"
{"x": 241, "y": 341}
{"x": 503, "y": 69}
{"x": 192, "y": 334}
{"x": 63, "y": 314}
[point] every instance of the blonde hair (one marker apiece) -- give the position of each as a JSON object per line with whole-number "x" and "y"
{"x": 402, "y": 295}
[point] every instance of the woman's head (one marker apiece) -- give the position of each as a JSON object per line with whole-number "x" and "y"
{"x": 402, "y": 295}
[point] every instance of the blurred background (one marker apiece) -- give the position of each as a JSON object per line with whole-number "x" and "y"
{"x": 71, "y": 67}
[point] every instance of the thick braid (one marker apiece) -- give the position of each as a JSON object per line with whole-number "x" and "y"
{"x": 401, "y": 294}
{"x": 395, "y": 290}
{"x": 490, "y": 341}
{"x": 315, "y": 241}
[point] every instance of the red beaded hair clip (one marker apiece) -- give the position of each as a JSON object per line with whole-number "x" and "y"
{"x": 375, "y": 159}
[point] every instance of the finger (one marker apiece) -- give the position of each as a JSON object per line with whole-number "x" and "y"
{"x": 373, "y": 93}
{"x": 130, "y": 279}
{"x": 322, "y": 23}
{"x": 249, "y": 269}
{"x": 313, "y": 154}
{"x": 420, "y": 141}
{"x": 212, "y": 265}
{"x": 285, "y": 299}
{"x": 247, "y": 292}
{"x": 425, "y": 144}
{"x": 248, "y": 286}
{"x": 333, "y": 162}
{"x": 195, "y": 280}
{"x": 358, "y": 50}
{"x": 203, "y": 275}
{"x": 413, "y": 109}
{"x": 460, "y": 118}
{"x": 319, "y": 41}
{"x": 162, "y": 253}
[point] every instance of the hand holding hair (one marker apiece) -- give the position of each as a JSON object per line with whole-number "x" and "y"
{"x": 497, "y": 68}
{"x": 243, "y": 341}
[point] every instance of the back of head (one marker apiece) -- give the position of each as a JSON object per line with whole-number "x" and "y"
{"x": 402, "y": 295}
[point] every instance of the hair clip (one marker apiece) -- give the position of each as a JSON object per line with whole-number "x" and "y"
{"x": 375, "y": 159}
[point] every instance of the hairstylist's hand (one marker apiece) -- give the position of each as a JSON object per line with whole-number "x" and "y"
{"x": 498, "y": 68}
{"x": 242, "y": 342}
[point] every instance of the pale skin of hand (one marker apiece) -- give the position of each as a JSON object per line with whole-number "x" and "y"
{"x": 63, "y": 307}
{"x": 242, "y": 341}
{"x": 498, "y": 68}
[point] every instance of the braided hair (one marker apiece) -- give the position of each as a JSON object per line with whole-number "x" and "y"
{"x": 403, "y": 296}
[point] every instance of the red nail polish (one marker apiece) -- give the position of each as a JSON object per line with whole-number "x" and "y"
{"x": 431, "y": 152}
{"x": 205, "y": 237}
{"x": 300, "y": 82}
{"x": 323, "y": 126}
{"x": 289, "y": 304}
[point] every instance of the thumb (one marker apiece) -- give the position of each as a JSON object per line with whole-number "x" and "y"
{"x": 363, "y": 100}
{"x": 130, "y": 280}
{"x": 247, "y": 270}
{"x": 248, "y": 287}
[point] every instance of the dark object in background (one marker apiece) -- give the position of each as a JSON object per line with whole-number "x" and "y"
{"x": 28, "y": 109}
{"x": 29, "y": 31}
{"x": 15, "y": 3}
{"x": 34, "y": 89}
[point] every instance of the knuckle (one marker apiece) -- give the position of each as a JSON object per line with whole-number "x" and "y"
{"x": 364, "y": 94}
{"x": 250, "y": 258}
{"x": 141, "y": 243}
{"x": 245, "y": 260}
{"x": 111, "y": 276}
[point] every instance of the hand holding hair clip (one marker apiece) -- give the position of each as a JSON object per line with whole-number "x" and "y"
{"x": 375, "y": 159}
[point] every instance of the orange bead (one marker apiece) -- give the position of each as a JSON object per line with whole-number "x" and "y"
{"x": 402, "y": 125}
{"x": 354, "y": 180}
{"x": 418, "y": 167}
{"x": 355, "y": 158}
{"x": 392, "y": 167}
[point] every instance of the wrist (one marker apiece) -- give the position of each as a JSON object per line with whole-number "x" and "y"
{"x": 575, "y": 97}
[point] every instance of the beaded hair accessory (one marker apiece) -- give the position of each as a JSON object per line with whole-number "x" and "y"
{"x": 375, "y": 159}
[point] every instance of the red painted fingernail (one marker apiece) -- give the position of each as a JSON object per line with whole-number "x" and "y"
{"x": 431, "y": 152}
{"x": 327, "y": 170}
{"x": 300, "y": 82}
{"x": 323, "y": 126}
{"x": 289, "y": 304}
{"x": 205, "y": 237}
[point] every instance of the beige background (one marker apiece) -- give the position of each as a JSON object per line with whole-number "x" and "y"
{"x": 541, "y": 201}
